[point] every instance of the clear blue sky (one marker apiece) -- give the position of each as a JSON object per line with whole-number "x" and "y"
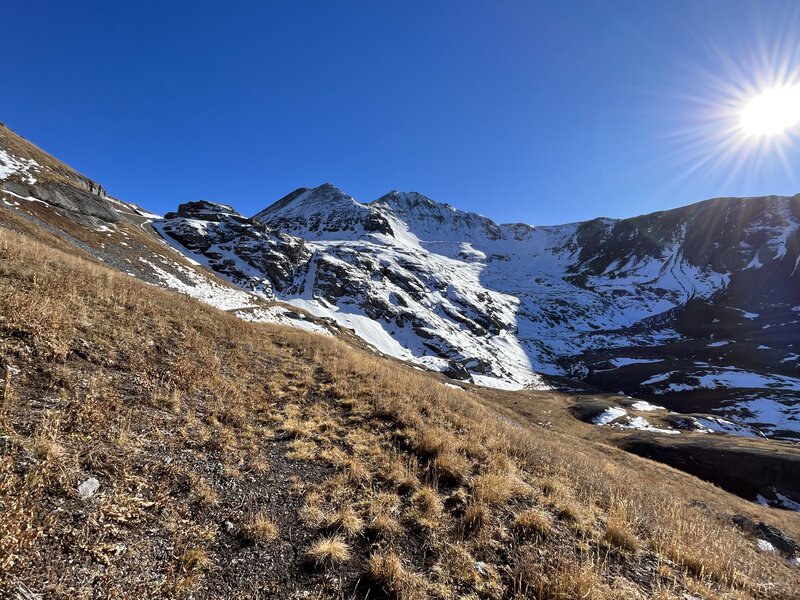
{"x": 542, "y": 112}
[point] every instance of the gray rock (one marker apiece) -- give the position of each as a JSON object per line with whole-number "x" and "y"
{"x": 88, "y": 488}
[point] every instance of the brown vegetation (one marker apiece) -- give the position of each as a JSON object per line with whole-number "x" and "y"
{"x": 385, "y": 480}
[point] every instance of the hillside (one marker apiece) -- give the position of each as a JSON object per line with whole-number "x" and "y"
{"x": 152, "y": 445}
{"x": 695, "y": 308}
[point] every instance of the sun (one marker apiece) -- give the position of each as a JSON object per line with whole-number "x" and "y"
{"x": 772, "y": 112}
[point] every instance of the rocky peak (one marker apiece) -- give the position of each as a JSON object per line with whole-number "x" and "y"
{"x": 436, "y": 221}
{"x": 245, "y": 251}
{"x": 203, "y": 210}
{"x": 307, "y": 201}
{"x": 324, "y": 212}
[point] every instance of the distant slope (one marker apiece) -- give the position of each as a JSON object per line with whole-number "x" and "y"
{"x": 705, "y": 297}
{"x": 697, "y": 309}
{"x": 152, "y": 446}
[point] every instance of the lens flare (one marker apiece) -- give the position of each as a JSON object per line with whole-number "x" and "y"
{"x": 733, "y": 111}
{"x": 772, "y": 112}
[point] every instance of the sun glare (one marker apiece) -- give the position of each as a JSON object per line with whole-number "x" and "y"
{"x": 772, "y": 112}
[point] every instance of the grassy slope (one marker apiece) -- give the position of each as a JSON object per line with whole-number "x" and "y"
{"x": 237, "y": 459}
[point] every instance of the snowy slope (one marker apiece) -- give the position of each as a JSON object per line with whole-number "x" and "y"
{"x": 697, "y": 308}
{"x": 501, "y": 305}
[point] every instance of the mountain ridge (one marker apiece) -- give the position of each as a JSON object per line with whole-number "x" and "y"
{"x": 695, "y": 302}
{"x": 375, "y": 259}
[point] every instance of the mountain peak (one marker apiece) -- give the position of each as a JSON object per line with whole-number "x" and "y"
{"x": 324, "y": 212}
{"x": 304, "y": 200}
{"x": 436, "y": 221}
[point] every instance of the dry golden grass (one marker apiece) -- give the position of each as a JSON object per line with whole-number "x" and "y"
{"x": 432, "y": 442}
{"x": 259, "y": 527}
{"x": 560, "y": 579}
{"x": 329, "y": 551}
{"x": 452, "y": 467}
{"x": 194, "y": 560}
{"x": 426, "y": 508}
{"x": 347, "y": 521}
{"x": 620, "y": 532}
{"x": 387, "y": 571}
{"x": 534, "y": 522}
{"x": 476, "y": 516}
{"x": 186, "y": 412}
{"x": 493, "y": 488}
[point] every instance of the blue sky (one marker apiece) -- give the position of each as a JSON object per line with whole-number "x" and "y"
{"x": 542, "y": 112}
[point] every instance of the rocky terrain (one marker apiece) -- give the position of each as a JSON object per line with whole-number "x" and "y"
{"x": 442, "y": 419}
{"x": 680, "y": 324}
{"x": 697, "y": 308}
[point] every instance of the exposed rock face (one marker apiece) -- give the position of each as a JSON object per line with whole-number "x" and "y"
{"x": 749, "y": 471}
{"x": 28, "y": 173}
{"x": 244, "y": 251}
{"x": 640, "y": 305}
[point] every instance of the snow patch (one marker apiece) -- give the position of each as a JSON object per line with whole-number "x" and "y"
{"x": 643, "y": 405}
{"x": 608, "y": 415}
{"x": 14, "y": 165}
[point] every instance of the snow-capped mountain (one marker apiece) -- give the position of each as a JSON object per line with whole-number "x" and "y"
{"x": 696, "y": 308}
{"x": 701, "y": 301}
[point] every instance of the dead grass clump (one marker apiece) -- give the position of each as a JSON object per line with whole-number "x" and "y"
{"x": 300, "y": 449}
{"x": 619, "y": 531}
{"x": 560, "y": 578}
{"x": 346, "y": 519}
{"x": 457, "y": 566}
{"x": 385, "y": 569}
{"x": 334, "y": 455}
{"x": 312, "y": 515}
{"x": 426, "y": 508}
{"x": 533, "y": 522}
{"x": 194, "y": 561}
{"x": 433, "y": 441}
{"x": 259, "y": 528}
{"x": 476, "y": 516}
{"x": 452, "y": 467}
{"x": 45, "y": 443}
{"x": 385, "y": 526}
{"x": 356, "y": 471}
{"x": 203, "y": 493}
{"x": 493, "y": 488}
{"x": 329, "y": 552}
{"x": 381, "y": 511}
{"x": 579, "y": 517}
{"x": 553, "y": 488}
{"x": 400, "y": 472}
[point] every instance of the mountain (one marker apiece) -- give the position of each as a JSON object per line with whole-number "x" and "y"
{"x": 152, "y": 446}
{"x": 697, "y": 307}
{"x": 669, "y": 335}
{"x": 155, "y": 446}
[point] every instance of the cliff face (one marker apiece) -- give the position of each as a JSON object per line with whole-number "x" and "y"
{"x": 28, "y": 172}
